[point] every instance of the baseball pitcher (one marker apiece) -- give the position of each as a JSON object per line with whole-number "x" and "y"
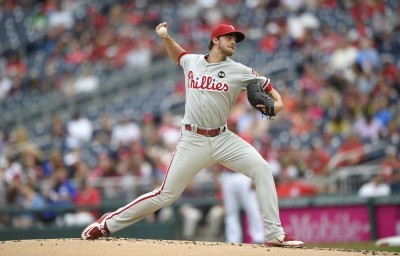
{"x": 213, "y": 83}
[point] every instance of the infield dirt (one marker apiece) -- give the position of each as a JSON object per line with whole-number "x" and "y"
{"x": 140, "y": 247}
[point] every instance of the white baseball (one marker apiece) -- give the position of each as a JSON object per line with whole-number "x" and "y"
{"x": 162, "y": 32}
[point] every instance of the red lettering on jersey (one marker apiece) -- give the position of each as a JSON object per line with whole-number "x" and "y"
{"x": 207, "y": 83}
{"x": 203, "y": 82}
{"x": 190, "y": 79}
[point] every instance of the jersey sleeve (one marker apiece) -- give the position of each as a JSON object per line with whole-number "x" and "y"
{"x": 250, "y": 75}
{"x": 183, "y": 59}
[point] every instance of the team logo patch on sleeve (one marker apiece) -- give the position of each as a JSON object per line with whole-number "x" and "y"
{"x": 221, "y": 74}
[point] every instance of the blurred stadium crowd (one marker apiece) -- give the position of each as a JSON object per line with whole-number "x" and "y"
{"x": 344, "y": 96}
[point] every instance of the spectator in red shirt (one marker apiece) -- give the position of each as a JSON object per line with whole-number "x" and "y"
{"x": 317, "y": 159}
{"x": 362, "y": 11}
{"x": 106, "y": 166}
{"x": 88, "y": 196}
{"x": 16, "y": 66}
{"x": 87, "y": 200}
{"x": 288, "y": 183}
{"x": 328, "y": 40}
{"x": 295, "y": 188}
{"x": 310, "y": 82}
{"x": 352, "y": 150}
{"x": 270, "y": 42}
{"x": 389, "y": 70}
{"x": 288, "y": 186}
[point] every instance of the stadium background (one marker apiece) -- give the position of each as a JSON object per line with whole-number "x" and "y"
{"x": 90, "y": 108}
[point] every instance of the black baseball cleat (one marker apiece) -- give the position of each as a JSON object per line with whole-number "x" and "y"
{"x": 97, "y": 229}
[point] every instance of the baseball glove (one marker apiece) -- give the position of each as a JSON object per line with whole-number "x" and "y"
{"x": 257, "y": 96}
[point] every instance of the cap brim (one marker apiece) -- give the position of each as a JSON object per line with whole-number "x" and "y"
{"x": 239, "y": 35}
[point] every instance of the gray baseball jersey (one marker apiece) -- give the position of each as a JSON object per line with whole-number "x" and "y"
{"x": 212, "y": 88}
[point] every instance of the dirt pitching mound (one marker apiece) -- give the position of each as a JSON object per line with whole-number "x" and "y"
{"x": 140, "y": 247}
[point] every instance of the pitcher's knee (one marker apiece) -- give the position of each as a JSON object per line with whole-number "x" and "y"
{"x": 168, "y": 198}
{"x": 261, "y": 168}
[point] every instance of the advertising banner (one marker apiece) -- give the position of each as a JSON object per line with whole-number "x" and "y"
{"x": 327, "y": 224}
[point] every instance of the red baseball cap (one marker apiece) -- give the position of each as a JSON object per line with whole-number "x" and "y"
{"x": 223, "y": 29}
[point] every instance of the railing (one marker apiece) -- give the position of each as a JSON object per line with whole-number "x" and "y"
{"x": 369, "y": 148}
{"x": 349, "y": 179}
{"x": 121, "y": 188}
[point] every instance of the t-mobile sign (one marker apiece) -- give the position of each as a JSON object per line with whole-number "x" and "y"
{"x": 327, "y": 224}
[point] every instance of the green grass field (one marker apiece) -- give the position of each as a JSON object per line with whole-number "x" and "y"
{"x": 356, "y": 246}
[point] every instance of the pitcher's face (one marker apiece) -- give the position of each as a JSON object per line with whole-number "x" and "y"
{"x": 227, "y": 44}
